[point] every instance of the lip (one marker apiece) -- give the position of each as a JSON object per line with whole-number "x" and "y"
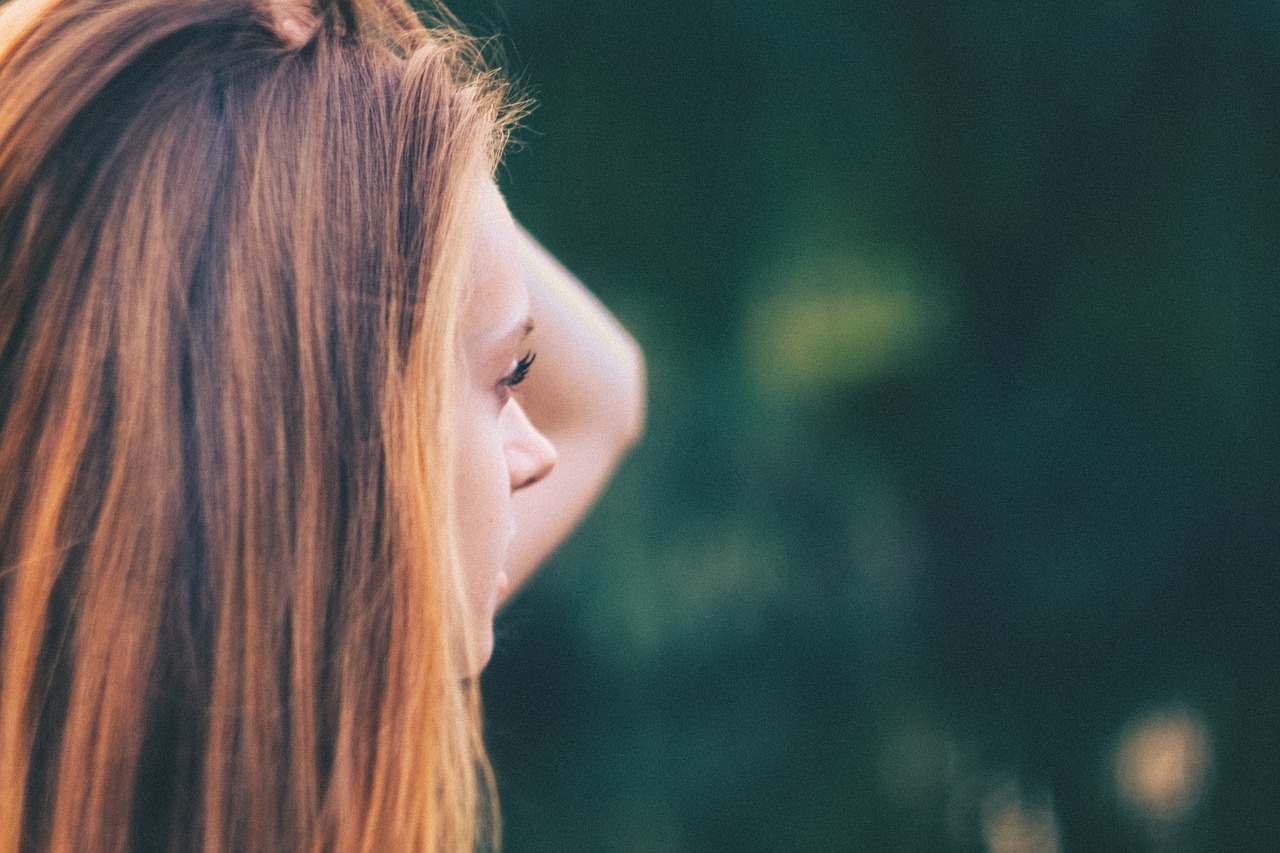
{"x": 502, "y": 580}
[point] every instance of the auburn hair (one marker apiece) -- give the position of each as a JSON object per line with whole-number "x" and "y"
{"x": 230, "y": 275}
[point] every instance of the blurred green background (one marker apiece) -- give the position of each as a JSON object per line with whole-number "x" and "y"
{"x": 955, "y": 526}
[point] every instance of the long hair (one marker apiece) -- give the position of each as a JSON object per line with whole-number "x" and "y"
{"x": 230, "y": 276}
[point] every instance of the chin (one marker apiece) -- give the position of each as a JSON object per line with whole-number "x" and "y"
{"x": 473, "y": 663}
{"x": 485, "y": 650}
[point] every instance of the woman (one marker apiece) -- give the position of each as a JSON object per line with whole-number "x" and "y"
{"x": 265, "y": 472}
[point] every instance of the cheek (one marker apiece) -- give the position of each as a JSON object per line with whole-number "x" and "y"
{"x": 483, "y": 492}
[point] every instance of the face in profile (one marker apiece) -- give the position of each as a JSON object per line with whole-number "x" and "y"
{"x": 499, "y": 450}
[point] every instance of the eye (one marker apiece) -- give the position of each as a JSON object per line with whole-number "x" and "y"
{"x": 517, "y": 375}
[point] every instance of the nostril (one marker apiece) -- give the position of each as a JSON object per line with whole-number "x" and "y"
{"x": 549, "y": 455}
{"x": 530, "y": 454}
{"x": 532, "y": 462}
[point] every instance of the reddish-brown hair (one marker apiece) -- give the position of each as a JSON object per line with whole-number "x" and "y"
{"x": 229, "y": 283}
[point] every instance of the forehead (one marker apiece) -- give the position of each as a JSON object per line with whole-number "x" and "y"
{"x": 498, "y": 298}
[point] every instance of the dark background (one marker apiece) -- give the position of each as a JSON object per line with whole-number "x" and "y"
{"x": 955, "y": 525}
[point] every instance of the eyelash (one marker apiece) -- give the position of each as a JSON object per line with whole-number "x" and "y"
{"x": 517, "y": 375}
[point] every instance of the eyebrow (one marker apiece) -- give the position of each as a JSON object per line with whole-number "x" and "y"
{"x": 522, "y": 330}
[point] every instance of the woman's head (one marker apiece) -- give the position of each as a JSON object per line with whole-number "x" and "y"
{"x": 233, "y": 270}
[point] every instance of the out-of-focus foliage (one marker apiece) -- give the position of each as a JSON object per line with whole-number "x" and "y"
{"x": 956, "y": 524}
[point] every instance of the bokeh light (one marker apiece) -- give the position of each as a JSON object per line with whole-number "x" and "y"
{"x": 1014, "y": 823}
{"x": 1162, "y": 765}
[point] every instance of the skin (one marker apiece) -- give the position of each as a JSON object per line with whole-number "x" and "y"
{"x": 15, "y": 16}
{"x": 532, "y": 458}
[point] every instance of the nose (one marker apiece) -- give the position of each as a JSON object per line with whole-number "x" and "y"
{"x": 530, "y": 454}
